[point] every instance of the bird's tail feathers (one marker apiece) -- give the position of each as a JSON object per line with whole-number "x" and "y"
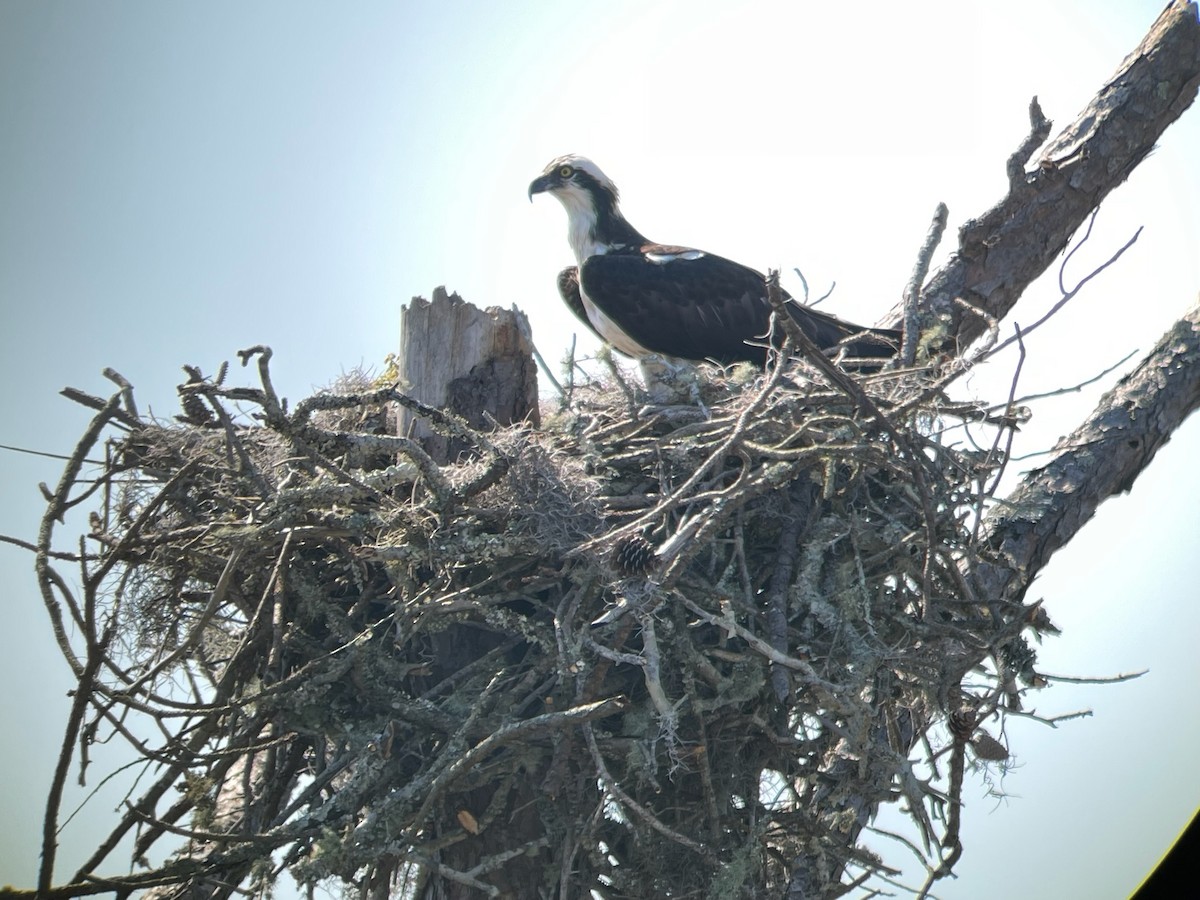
{"x": 838, "y": 336}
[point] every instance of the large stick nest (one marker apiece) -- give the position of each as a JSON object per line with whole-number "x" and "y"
{"x": 694, "y": 648}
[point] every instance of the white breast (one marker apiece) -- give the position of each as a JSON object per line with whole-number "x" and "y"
{"x": 581, "y": 222}
{"x": 610, "y": 330}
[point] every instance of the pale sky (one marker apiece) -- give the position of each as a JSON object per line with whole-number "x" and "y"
{"x": 178, "y": 182}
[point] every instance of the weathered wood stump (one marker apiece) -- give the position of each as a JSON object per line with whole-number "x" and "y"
{"x": 475, "y": 363}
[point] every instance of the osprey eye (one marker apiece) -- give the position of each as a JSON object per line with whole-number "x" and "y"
{"x": 566, "y": 172}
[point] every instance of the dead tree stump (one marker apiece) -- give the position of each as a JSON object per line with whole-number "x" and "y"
{"x": 477, "y": 364}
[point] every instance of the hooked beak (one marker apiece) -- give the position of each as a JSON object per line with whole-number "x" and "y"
{"x": 540, "y": 184}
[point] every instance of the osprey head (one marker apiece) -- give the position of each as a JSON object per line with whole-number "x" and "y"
{"x": 569, "y": 177}
{"x": 594, "y": 223}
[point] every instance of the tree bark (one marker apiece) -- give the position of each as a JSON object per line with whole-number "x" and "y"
{"x": 1004, "y": 250}
{"x": 477, "y": 364}
{"x": 1102, "y": 457}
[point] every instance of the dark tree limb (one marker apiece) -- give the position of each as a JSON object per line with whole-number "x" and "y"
{"x": 1003, "y": 251}
{"x": 1099, "y": 459}
{"x": 912, "y": 290}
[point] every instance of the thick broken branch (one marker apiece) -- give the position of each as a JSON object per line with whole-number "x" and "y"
{"x": 1101, "y": 458}
{"x": 1003, "y": 251}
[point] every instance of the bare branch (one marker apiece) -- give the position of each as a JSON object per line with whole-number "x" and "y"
{"x": 912, "y": 291}
{"x": 1001, "y": 252}
{"x": 1101, "y": 458}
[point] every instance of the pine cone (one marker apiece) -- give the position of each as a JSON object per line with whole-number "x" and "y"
{"x": 634, "y": 556}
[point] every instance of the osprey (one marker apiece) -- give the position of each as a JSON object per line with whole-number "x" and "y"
{"x": 648, "y": 299}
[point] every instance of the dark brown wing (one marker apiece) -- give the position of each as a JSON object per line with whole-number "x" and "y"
{"x": 568, "y": 289}
{"x": 694, "y": 305}
{"x": 679, "y": 302}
